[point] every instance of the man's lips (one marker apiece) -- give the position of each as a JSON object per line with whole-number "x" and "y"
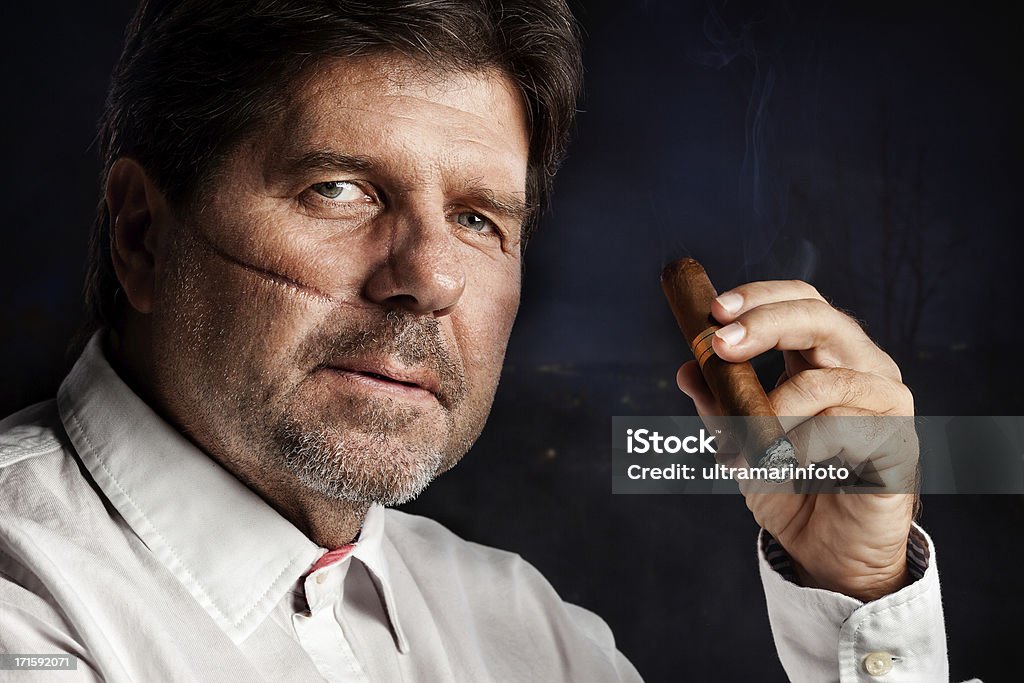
{"x": 388, "y": 376}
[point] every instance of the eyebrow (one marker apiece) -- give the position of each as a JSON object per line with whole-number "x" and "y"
{"x": 507, "y": 205}
{"x": 324, "y": 160}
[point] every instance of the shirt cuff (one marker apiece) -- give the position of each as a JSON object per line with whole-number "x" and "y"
{"x": 822, "y": 635}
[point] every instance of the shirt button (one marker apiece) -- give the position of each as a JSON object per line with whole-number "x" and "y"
{"x": 320, "y": 578}
{"x": 878, "y": 663}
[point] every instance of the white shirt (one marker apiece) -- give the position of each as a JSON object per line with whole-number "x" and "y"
{"x": 125, "y": 545}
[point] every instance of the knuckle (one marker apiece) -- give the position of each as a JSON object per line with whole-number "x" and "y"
{"x": 819, "y": 311}
{"x": 904, "y": 399}
{"x": 894, "y": 368}
{"x": 805, "y": 290}
{"x": 830, "y": 386}
{"x": 851, "y": 385}
{"x": 852, "y": 320}
{"x": 886, "y": 367}
{"x": 808, "y": 385}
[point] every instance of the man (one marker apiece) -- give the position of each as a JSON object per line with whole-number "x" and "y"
{"x": 306, "y": 268}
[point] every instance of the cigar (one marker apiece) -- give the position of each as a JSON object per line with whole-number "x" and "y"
{"x": 735, "y": 385}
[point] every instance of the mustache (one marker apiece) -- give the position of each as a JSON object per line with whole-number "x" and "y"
{"x": 414, "y": 340}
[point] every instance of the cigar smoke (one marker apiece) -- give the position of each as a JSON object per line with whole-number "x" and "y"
{"x": 749, "y": 40}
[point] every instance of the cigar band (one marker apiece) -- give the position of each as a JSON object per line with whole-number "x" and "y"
{"x": 701, "y": 345}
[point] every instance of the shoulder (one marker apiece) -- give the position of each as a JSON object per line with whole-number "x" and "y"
{"x": 33, "y": 460}
{"x": 29, "y": 433}
{"x": 46, "y": 496}
{"x": 32, "y": 619}
{"x": 36, "y": 465}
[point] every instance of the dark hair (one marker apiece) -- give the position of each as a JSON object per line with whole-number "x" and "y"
{"x": 196, "y": 76}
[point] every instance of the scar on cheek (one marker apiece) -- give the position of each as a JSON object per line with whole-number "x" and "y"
{"x": 264, "y": 273}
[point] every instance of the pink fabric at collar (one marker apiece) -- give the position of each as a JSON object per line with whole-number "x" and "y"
{"x": 332, "y": 556}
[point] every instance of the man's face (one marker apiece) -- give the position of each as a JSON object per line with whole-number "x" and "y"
{"x": 337, "y": 311}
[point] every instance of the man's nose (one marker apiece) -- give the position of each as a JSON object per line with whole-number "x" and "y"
{"x": 421, "y": 272}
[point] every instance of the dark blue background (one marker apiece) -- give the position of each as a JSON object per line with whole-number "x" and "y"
{"x": 870, "y": 149}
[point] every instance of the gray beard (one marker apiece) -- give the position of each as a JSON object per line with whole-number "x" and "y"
{"x": 368, "y": 460}
{"x": 367, "y": 466}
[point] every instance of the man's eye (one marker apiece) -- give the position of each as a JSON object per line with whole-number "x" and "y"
{"x": 475, "y": 222}
{"x": 341, "y": 190}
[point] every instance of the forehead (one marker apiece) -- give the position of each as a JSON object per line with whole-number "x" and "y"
{"x": 400, "y": 113}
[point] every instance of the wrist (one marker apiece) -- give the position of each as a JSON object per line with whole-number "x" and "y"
{"x": 863, "y": 588}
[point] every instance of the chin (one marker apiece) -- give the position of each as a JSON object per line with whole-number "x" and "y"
{"x": 359, "y": 466}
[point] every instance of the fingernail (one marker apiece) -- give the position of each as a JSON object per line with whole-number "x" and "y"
{"x": 732, "y": 334}
{"x": 730, "y": 301}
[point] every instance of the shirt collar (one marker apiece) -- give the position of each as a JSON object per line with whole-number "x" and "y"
{"x": 234, "y": 553}
{"x": 370, "y": 551}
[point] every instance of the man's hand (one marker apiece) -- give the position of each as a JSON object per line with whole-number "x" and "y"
{"x": 853, "y": 544}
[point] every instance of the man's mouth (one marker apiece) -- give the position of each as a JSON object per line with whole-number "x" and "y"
{"x": 388, "y": 377}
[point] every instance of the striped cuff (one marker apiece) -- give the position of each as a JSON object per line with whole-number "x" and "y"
{"x": 918, "y": 556}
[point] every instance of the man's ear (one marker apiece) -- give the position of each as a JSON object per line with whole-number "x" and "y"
{"x": 137, "y": 212}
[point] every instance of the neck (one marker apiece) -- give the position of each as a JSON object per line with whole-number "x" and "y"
{"x": 328, "y": 522}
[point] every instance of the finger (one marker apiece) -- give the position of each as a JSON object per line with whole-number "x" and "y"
{"x": 777, "y": 513}
{"x": 852, "y": 438}
{"x": 691, "y": 382}
{"x": 877, "y": 448}
{"x": 813, "y": 391}
{"x": 853, "y": 434}
{"x": 795, "y": 363}
{"x": 733, "y": 303}
{"x": 826, "y": 337}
